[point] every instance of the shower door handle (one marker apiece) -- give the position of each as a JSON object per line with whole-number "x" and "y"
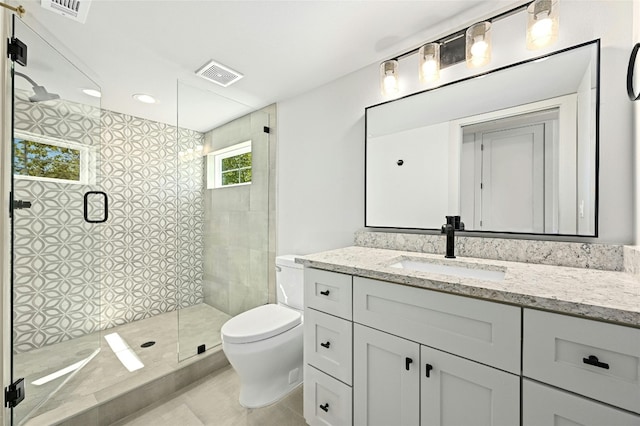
{"x": 86, "y": 207}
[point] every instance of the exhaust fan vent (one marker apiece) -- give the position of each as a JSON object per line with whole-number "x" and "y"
{"x": 219, "y": 74}
{"x": 72, "y": 9}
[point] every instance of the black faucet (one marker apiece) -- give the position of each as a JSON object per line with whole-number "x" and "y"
{"x": 453, "y": 224}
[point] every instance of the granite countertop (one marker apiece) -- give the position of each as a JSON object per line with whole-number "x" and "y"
{"x": 595, "y": 294}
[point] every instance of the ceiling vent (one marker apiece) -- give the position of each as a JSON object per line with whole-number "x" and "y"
{"x": 219, "y": 74}
{"x": 72, "y": 9}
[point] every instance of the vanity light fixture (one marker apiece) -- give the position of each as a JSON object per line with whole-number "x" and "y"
{"x": 542, "y": 23}
{"x": 429, "y": 62}
{"x": 389, "y": 77}
{"x": 478, "y": 44}
{"x": 473, "y": 44}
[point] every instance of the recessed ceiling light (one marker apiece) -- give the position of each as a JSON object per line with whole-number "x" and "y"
{"x": 147, "y": 99}
{"x": 92, "y": 92}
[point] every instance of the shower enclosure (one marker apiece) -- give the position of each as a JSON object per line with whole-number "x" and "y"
{"x": 124, "y": 249}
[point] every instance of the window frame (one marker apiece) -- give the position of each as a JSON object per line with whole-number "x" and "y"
{"x": 88, "y": 155}
{"x": 214, "y": 164}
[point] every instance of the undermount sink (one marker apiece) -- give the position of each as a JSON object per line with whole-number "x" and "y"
{"x": 466, "y": 270}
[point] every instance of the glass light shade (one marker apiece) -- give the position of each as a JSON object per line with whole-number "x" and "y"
{"x": 389, "y": 77}
{"x": 542, "y": 23}
{"x": 478, "y": 44}
{"x": 429, "y": 64}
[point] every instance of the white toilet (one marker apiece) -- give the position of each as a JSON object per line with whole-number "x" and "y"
{"x": 264, "y": 344}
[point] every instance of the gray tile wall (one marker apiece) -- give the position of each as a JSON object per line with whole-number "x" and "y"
{"x": 239, "y": 241}
{"x": 73, "y": 278}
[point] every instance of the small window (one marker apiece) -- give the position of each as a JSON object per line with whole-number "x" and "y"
{"x": 48, "y": 159}
{"x": 229, "y": 166}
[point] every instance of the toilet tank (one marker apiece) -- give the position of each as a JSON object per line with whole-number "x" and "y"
{"x": 289, "y": 282}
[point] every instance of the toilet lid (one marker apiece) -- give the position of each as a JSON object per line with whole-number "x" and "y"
{"x": 259, "y": 323}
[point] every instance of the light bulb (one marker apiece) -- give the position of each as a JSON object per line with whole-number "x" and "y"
{"x": 429, "y": 68}
{"x": 479, "y": 48}
{"x": 542, "y": 32}
{"x": 390, "y": 83}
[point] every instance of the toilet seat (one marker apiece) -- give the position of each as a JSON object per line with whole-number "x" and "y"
{"x": 260, "y": 323}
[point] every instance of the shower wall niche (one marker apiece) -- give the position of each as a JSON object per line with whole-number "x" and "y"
{"x": 126, "y": 269}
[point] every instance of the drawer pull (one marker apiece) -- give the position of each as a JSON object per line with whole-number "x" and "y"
{"x": 407, "y": 363}
{"x": 325, "y": 345}
{"x": 593, "y": 360}
{"x": 325, "y": 407}
{"x": 325, "y": 293}
{"x": 428, "y": 369}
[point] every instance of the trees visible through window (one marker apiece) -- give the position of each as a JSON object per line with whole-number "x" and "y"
{"x": 230, "y": 166}
{"x": 37, "y": 159}
{"x": 236, "y": 169}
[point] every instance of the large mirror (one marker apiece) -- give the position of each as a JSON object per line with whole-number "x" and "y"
{"x": 514, "y": 150}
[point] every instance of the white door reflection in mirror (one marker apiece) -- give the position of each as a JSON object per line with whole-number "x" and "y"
{"x": 510, "y": 192}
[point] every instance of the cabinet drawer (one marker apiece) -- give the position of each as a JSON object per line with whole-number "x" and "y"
{"x": 544, "y": 405}
{"x": 327, "y": 401}
{"x": 327, "y": 344}
{"x": 560, "y": 350}
{"x": 328, "y": 292}
{"x": 482, "y": 331}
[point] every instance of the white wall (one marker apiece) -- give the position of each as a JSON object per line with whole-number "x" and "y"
{"x": 321, "y": 145}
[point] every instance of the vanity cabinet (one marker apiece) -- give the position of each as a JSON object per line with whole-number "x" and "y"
{"x": 402, "y": 377}
{"x": 328, "y": 342}
{"x": 378, "y": 353}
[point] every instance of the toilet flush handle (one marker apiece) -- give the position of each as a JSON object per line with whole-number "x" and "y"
{"x": 325, "y": 407}
{"x": 325, "y": 293}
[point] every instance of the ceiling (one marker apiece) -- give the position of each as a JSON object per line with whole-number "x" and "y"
{"x": 283, "y": 48}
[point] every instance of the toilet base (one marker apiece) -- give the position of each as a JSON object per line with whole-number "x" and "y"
{"x": 251, "y": 402}
{"x": 268, "y": 369}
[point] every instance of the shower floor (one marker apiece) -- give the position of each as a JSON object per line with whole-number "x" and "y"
{"x": 104, "y": 377}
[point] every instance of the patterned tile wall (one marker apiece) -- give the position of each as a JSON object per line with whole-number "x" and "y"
{"x": 74, "y": 278}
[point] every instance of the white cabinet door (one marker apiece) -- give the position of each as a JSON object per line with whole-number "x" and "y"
{"x": 385, "y": 379}
{"x": 544, "y": 405}
{"x": 456, "y": 391}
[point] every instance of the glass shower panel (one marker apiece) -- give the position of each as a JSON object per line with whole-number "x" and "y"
{"x": 56, "y": 230}
{"x": 223, "y": 214}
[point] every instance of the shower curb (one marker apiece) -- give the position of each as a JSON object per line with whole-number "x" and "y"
{"x": 107, "y": 412}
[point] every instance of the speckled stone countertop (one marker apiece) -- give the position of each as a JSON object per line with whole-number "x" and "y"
{"x": 602, "y": 295}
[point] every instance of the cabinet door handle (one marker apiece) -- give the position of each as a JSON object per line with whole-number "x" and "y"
{"x": 325, "y": 407}
{"x": 407, "y": 363}
{"x": 593, "y": 360}
{"x": 325, "y": 345}
{"x": 427, "y": 369}
{"x": 325, "y": 293}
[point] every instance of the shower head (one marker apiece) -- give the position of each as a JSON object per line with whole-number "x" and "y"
{"x": 40, "y": 93}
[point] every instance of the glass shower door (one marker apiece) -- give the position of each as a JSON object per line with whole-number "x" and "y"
{"x": 56, "y": 231}
{"x": 225, "y": 198}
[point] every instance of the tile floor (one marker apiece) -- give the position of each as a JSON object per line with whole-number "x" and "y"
{"x": 213, "y": 401}
{"x": 104, "y": 377}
